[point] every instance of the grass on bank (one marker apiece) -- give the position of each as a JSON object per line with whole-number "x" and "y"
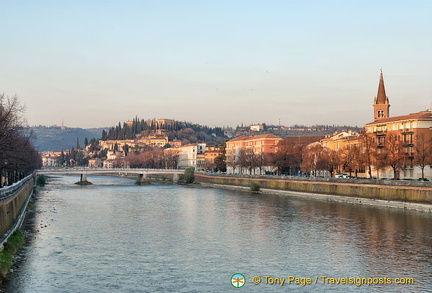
{"x": 15, "y": 241}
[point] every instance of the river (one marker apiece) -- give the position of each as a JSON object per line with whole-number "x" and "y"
{"x": 114, "y": 236}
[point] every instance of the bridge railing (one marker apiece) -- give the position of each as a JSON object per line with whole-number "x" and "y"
{"x": 8, "y": 191}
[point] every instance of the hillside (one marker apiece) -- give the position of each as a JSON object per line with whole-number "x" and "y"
{"x": 55, "y": 138}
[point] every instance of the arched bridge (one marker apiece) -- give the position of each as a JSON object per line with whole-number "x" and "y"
{"x": 141, "y": 173}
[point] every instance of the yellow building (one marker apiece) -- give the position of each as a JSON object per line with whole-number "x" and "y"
{"x": 341, "y": 140}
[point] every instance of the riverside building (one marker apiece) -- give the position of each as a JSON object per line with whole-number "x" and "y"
{"x": 406, "y": 138}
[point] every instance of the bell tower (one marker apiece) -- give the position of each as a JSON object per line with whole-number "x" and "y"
{"x": 381, "y": 103}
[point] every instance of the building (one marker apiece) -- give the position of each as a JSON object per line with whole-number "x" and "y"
{"x": 188, "y": 156}
{"x": 165, "y": 123}
{"x": 51, "y": 160}
{"x": 256, "y": 127}
{"x": 341, "y": 140}
{"x": 95, "y": 163}
{"x": 115, "y": 159}
{"x": 153, "y": 140}
{"x": 403, "y": 137}
{"x": 175, "y": 143}
{"x": 250, "y": 154}
{"x": 150, "y": 140}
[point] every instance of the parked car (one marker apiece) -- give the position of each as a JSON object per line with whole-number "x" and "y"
{"x": 342, "y": 175}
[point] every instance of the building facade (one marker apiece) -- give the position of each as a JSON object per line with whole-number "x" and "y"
{"x": 251, "y": 154}
{"x": 400, "y": 141}
{"x": 188, "y": 156}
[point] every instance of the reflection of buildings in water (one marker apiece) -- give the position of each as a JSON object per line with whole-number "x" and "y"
{"x": 383, "y": 236}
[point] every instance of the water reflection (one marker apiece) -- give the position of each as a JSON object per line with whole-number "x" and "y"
{"x": 114, "y": 236}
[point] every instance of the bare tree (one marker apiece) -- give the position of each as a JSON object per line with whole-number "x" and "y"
{"x": 422, "y": 152}
{"x": 392, "y": 155}
{"x": 232, "y": 160}
{"x": 312, "y": 158}
{"x": 350, "y": 158}
{"x": 248, "y": 160}
{"x": 263, "y": 160}
{"x": 330, "y": 160}
{"x": 288, "y": 158}
{"x": 368, "y": 151}
{"x": 17, "y": 154}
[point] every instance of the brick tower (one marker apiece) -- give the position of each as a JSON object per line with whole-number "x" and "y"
{"x": 381, "y": 103}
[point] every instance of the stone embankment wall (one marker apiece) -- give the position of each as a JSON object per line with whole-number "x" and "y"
{"x": 414, "y": 192}
{"x": 13, "y": 201}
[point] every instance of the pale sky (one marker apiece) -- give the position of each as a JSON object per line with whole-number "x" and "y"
{"x": 216, "y": 63}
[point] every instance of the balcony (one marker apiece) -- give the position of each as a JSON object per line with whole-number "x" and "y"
{"x": 380, "y": 132}
{"x": 407, "y": 130}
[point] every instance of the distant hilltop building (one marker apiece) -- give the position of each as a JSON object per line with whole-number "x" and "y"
{"x": 162, "y": 123}
{"x": 256, "y": 127}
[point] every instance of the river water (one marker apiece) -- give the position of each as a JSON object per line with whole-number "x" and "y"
{"x": 114, "y": 236}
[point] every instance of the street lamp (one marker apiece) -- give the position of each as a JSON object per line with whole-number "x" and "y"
{"x": 6, "y": 174}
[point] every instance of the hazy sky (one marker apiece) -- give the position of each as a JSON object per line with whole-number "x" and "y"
{"x": 95, "y": 63}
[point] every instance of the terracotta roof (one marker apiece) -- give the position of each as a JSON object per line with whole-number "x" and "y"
{"x": 253, "y": 137}
{"x": 423, "y": 115}
{"x": 381, "y": 97}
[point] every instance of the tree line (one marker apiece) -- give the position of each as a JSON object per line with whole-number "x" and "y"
{"x": 18, "y": 157}
{"x": 174, "y": 130}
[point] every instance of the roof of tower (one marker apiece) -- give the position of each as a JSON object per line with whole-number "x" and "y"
{"x": 381, "y": 97}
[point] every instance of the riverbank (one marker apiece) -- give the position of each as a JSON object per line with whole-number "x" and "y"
{"x": 11, "y": 247}
{"x": 406, "y": 197}
{"x": 330, "y": 197}
{"x": 14, "y": 201}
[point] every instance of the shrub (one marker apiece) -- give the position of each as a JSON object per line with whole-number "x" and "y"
{"x": 41, "y": 180}
{"x": 254, "y": 186}
{"x": 188, "y": 176}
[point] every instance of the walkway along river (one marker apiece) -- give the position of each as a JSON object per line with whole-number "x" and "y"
{"x": 114, "y": 236}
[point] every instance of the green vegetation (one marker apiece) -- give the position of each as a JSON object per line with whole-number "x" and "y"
{"x": 41, "y": 180}
{"x": 30, "y": 206}
{"x": 188, "y": 176}
{"x": 254, "y": 186}
{"x": 184, "y": 131}
{"x": 144, "y": 181}
{"x": 15, "y": 241}
{"x": 5, "y": 263}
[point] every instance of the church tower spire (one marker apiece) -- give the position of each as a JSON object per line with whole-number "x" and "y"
{"x": 381, "y": 103}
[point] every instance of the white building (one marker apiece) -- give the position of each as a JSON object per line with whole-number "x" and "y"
{"x": 50, "y": 161}
{"x": 257, "y": 127}
{"x": 188, "y": 154}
